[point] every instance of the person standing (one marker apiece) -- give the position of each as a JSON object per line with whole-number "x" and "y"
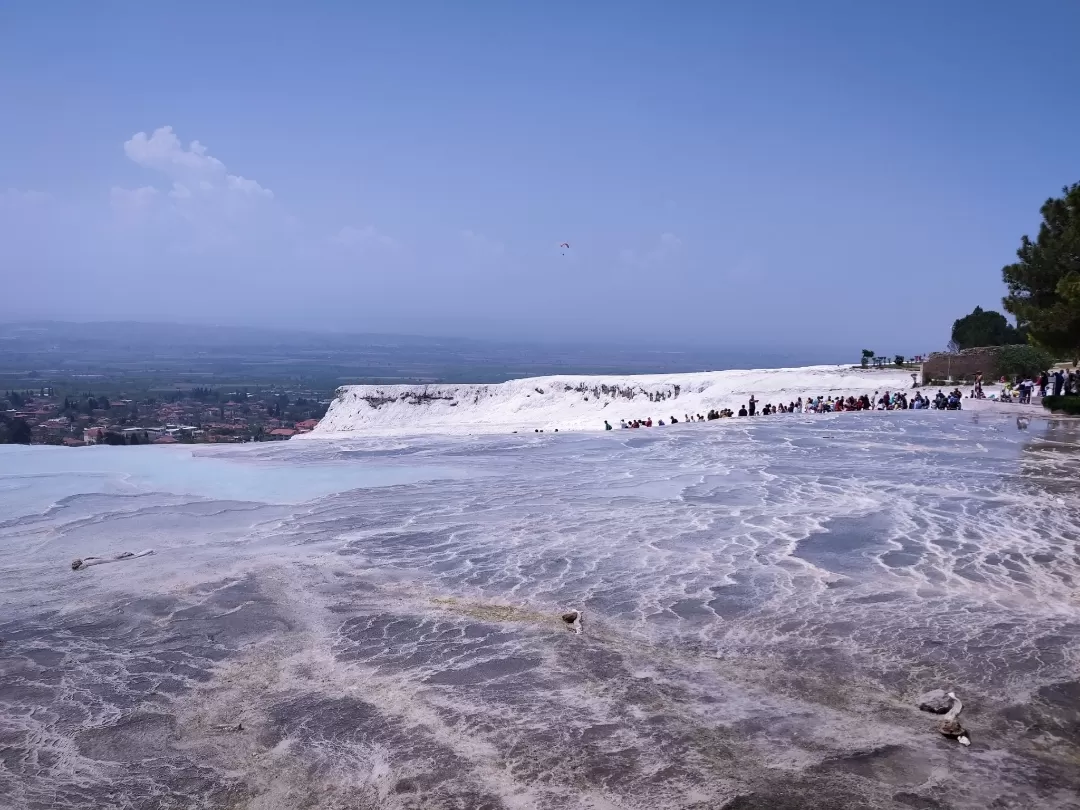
{"x": 753, "y": 404}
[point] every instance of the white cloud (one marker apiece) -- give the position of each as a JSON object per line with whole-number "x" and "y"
{"x": 480, "y": 244}
{"x": 133, "y": 197}
{"x": 362, "y": 238}
{"x": 198, "y": 206}
{"x": 163, "y": 152}
{"x": 189, "y": 168}
{"x": 237, "y": 183}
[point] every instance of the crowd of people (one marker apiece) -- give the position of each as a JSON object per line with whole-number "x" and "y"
{"x": 1064, "y": 384}
{"x": 1020, "y": 390}
{"x": 887, "y": 401}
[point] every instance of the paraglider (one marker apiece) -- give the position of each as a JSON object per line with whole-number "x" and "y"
{"x": 565, "y": 246}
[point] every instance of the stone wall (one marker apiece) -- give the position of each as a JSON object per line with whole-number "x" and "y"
{"x": 962, "y": 366}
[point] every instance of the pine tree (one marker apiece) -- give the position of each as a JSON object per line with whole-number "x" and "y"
{"x": 1044, "y": 285}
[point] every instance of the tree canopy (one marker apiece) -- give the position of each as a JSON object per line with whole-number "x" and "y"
{"x": 1026, "y": 361}
{"x": 984, "y": 328}
{"x": 1044, "y": 285}
{"x": 14, "y": 431}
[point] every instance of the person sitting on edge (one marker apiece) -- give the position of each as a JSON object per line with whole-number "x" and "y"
{"x": 742, "y": 411}
{"x": 607, "y": 425}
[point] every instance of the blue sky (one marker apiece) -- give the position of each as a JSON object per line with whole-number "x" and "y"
{"x": 824, "y": 174}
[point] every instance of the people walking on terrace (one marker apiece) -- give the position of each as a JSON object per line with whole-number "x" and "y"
{"x": 881, "y": 401}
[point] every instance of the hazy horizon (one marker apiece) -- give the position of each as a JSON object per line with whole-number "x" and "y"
{"x": 178, "y": 338}
{"x": 807, "y": 178}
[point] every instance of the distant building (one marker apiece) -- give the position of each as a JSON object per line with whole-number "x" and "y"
{"x": 140, "y": 434}
{"x": 281, "y": 433}
{"x": 181, "y": 430}
{"x": 306, "y": 425}
{"x": 93, "y": 435}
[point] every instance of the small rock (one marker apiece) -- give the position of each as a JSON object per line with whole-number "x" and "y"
{"x": 955, "y": 731}
{"x": 951, "y": 728}
{"x": 935, "y": 701}
{"x": 573, "y": 620}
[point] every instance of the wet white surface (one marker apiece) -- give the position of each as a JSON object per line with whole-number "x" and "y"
{"x": 763, "y": 600}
